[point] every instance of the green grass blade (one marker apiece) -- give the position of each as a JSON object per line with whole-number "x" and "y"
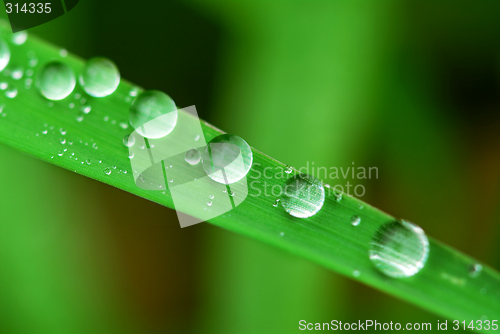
{"x": 328, "y": 238}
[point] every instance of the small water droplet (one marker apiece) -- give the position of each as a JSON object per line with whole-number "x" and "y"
{"x": 356, "y": 273}
{"x": 355, "y": 220}
{"x": 79, "y": 118}
{"x": 63, "y": 53}
{"x": 86, "y": 109}
{"x": 29, "y": 72}
{"x": 11, "y": 92}
{"x": 56, "y": 81}
{"x": 399, "y": 249}
{"x": 71, "y": 105}
{"x": 60, "y": 153}
{"x": 192, "y": 156}
{"x": 338, "y": 196}
{"x": 275, "y": 204}
{"x": 282, "y": 233}
{"x": 211, "y": 196}
{"x": 88, "y": 161}
{"x": 129, "y": 140}
{"x": 131, "y": 155}
{"x": 100, "y": 77}
{"x": 17, "y": 73}
{"x": 108, "y": 171}
{"x": 124, "y": 125}
{"x": 171, "y": 180}
{"x": 475, "y": 270}
{"x": 62, "y": 141}
{"x": 19, "y": 37}
{"x": 288, "y": 169}
{"x": 33, "y": 62}
{"x": 361, "y": 206}
{"x": 44, "y": 132}
{"x": 209, "y": 203}
{"x": 197, "y": 137}
{"x": 231, "y": 193}
{"x": 3, "y": 85}
{"x": 77, "y": 96}
{"x": 94, "y": 146}
{"x": 303, "y": 196}
{"x": 62, "y": 131}
{"x": 106, "y": 118}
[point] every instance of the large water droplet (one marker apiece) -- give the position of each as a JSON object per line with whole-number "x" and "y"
{"x": 153, "y": 105}
{"x": 193, "y": 156}
{"x": 100, "y": 77}
{"x": 55, "y": 81}
{"x": 4, "y": 55}
{"x": 399, "y": 249}
{"x": 303, "y": 196}
{"x": 227, "y": 159}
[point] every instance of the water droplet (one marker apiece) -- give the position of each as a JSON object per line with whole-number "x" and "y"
{"x": 282, "y": 233}
{"x": 211, "y": 196}
{"x": 303, "y": 196}
{"x": 86, "y": 109}
{"x": 355, "y": 220}
{"x": 106, "y": 118}
{"x": 399, "y": 249}
{"x": 60, "y": 153}
{"x": 3, "y": 85}
{"x": 108, "y": 171}
{"x": 131, "y": 155}
{"x": 153, "y": 105}
{"x": 33, "y": 62}
{"x": 11, "y": 92}
{"x": 55, "y": 81}
{"x": 29, "y": 72}
{"x": 124, "y": 125}
{"x": 62, "y": 141}
{"x": 100, "y": 77}
{"x": 88, "y": 161}
{"x": 17, "y": 73}
{"x": 197, "y": 137}
{"x": 133, "y": 92}
{"x": 44, "y": 132}
{"x": 356, "y": 273}
{"x": 288, "y": 169}
{"x": 71, "y": 105}
{"x": 129, "y": 141}
{"x": 79, "y": 118}
{"x": 338, "y": 196}
{"x": 275, "y": 204}
{"x": 361, "y": 206}
{"x": 63, "y": 53}
{"x": 209, "y": 203}
{"x": 231, "y": 193}
{"x": 475, "y": 270}
{"x": 171, "y": 181}
{"x": 227, "y": 159}
{"x": 193, "y": 156}
{"x": 62, "y": 131}
{"x": 94, "y": 146}
{"x": 19, "y": 37}
{"x": 4, "y": 55}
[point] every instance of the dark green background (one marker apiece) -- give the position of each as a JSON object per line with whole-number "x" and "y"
{"x": 411, "y": 87}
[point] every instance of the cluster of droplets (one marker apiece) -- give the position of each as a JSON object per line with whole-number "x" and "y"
{"x": 398, "y": 249}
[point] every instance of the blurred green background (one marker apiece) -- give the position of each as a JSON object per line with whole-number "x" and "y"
{"x": 411, "y": 87}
